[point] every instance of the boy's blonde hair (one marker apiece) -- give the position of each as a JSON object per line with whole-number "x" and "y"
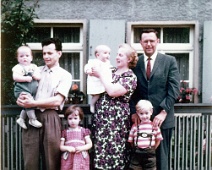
{"x": 144, "y": 104}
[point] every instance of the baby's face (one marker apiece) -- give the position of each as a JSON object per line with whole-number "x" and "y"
{"x": 24, "y": 56}
{"x": 144, "y": 114}
{"x": 103, "y": 55}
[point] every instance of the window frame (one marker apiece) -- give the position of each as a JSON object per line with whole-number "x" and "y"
{"x": 67, "y": 47}
{"x": 192, "y": 48}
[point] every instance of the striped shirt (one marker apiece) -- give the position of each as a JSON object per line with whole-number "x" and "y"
{"x": 146, "y": 129}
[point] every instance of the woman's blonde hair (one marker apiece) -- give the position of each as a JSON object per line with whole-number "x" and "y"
{"x": 131, "y": 54}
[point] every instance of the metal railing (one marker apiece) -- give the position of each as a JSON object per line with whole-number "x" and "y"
{"x": 191, "y": 147}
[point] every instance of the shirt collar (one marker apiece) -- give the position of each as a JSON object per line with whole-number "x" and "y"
{"x": 51, "y": 69}
{"x": 153, "y": 57}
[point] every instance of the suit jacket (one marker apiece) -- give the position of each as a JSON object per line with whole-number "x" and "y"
{"x": 161, "y": 90}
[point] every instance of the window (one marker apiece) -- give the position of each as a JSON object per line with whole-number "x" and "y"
{"x": 71, "y": 33}
{"x": 178, "y": 39}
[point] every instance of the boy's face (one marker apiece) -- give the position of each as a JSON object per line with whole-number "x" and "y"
{"x": 103, "y": 55}
{"x": 144, "y": 114}
{"x": 24, "y": 56}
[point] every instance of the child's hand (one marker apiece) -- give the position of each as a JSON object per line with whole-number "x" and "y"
{"x": 79, "y": 149}
{"x": 28, "y": 78}
{"x": 89, "y": 71}
{"x": 36, "y": 76}
{"x": 71, "y": 149}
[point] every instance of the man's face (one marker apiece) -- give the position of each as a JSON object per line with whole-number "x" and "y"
{"x": 149, "y": 43}
{"x": 51, "y": 56}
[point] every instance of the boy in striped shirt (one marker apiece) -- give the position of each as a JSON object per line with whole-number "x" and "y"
{"x": 145, "y": 138}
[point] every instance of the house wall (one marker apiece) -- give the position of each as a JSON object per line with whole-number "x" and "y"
{"x": 207, "y": 63}
{"x": 132, "y": 10}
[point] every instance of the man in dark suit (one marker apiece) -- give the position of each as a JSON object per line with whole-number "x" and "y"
{"x": 161, "y": 88}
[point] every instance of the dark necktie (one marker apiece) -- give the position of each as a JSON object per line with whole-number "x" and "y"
{"x": 148, "y": 68}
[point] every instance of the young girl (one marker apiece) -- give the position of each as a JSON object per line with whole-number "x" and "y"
{"x": 75, "y": 142}
{"x": 94, "y": 85}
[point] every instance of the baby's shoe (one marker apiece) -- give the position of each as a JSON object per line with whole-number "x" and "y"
{"x": 21, "y": 122}
{"x": 35, "y": 123}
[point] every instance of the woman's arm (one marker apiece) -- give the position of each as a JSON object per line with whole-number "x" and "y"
{"x": 113, "y": 89}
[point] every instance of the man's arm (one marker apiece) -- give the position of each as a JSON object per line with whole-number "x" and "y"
{"x": 27, "y": 102}
{"x": 173, "y": 88}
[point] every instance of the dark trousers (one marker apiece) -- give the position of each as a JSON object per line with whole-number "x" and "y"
{"x": 42, "y": 143}
{"x": 162, "y": 152}
{"x": 144, "y": 159}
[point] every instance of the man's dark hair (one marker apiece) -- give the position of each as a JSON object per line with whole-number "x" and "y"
{"x": 148, "y": 30}
{"x": 56, "y": 41}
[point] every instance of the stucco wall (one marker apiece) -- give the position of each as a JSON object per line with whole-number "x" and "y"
{"x": 131, "y": 10}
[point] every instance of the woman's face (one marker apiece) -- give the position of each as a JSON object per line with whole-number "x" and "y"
{"x": 122, "y": 59}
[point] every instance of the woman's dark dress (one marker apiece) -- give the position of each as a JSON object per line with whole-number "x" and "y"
{"x": 111, "y": 124}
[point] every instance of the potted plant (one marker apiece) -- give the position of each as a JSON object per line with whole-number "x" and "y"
{"x": 186, "y": 93}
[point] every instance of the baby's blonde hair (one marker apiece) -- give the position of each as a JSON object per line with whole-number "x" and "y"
{"x": 144, "y": 104}
{"x": 100, "y": 48}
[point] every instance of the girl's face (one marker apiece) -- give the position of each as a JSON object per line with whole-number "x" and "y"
{"x": 144, "y": 114}
{"x": 73, "y": 120}
{"x": 24, "y": 56}
{"x": 121, "y": 59}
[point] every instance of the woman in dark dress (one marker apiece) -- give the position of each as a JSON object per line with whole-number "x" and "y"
{"x": 111, "y": 120}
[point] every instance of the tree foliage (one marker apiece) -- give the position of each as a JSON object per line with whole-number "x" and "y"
{"x": 16, "y": 26}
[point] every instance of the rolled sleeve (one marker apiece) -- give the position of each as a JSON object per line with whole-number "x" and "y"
{"x": 65, "y": 84}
